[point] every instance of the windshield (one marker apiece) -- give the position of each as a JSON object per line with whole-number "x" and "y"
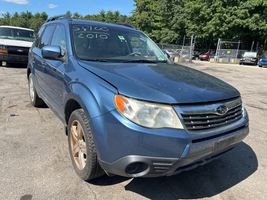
{"x": 100, "y": 43}
{"x": 250, "y": 54}
{"x": 16, "y": 34}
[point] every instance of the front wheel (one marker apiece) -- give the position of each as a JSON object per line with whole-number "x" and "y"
{"x": 82, "y": 147}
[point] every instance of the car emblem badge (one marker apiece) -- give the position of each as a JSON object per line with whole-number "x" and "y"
{"x": 222, "y": 110}
{"x": 20, "y": 50}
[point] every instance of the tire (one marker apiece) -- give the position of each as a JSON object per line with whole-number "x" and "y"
{"x": 36, "y": 101}
{"x": 84, "y": 158}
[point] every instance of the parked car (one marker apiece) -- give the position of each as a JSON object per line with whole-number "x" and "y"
{"x": 15, "y": 43}
{"x": 206, "y": 56}
{"x": 130, "y": 113}
{"x": 196, "y": 55}
{"x": 262, "y": 62}
{"x": 249, "y": 58}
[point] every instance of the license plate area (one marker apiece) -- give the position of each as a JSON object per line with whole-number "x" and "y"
{"x": 224, "y": 143}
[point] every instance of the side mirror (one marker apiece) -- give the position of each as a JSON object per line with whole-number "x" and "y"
{"x": 52, "y": 52}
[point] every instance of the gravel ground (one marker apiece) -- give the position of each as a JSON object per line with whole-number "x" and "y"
{"x": 35, "y": 164}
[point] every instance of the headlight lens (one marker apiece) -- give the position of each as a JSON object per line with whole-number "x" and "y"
{"x": 147, "y": 114}
{"x": 3, "y": 49}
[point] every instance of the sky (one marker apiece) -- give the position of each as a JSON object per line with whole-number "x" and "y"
{"x": 57, "y": 7}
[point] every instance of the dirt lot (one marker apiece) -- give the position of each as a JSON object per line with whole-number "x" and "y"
{"x": 35, "y": 164}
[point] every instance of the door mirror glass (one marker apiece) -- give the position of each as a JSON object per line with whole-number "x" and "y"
{"x": 52, "y": 52}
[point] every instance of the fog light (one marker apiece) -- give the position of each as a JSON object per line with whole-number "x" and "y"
{"x": 136, "y": 168}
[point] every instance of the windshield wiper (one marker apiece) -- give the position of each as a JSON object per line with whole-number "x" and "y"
{"x": 24, "y": 39}
{"x": 146, "y": 61}
{"x": 95, "y": 60}
{"x": 6, "y": 37}
{"x": 124, "y": 61}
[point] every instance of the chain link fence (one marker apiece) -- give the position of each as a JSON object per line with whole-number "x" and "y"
{"x": 232, "y": 51}
{"x": 180, "y": 53}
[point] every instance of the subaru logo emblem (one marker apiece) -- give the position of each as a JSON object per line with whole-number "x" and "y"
{"x": 222, "y": 110}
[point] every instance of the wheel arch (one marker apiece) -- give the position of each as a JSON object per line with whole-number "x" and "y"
{"x": 80, "y": 97}
{"x": 71, "y": 106}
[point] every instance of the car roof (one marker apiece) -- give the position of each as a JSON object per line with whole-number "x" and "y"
{"x": 96, "y": 23}
{"x": 16, "y": 27}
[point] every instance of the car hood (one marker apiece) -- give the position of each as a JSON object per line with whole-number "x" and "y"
{"x": 17, "y": 43}
{"x": 163, "y": 83}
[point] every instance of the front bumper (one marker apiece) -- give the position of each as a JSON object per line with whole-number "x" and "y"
{"x": 127, "y": 149}
{"x": 252, "y": 62}
{"x": 13, "y": 58}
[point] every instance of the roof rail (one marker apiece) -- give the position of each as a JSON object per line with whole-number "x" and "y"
{"x": 58, "y": 17}
{"x": 125, "y": 24}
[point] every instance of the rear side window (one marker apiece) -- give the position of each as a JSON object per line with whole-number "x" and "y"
{"x": 59, "y": 37}
{"x": 46, "y": 37}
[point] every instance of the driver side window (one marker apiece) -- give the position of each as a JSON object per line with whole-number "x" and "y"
{"x": 59, "y": 37}
{"x": 46, "y": 37}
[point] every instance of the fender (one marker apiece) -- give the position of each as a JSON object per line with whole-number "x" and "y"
{"x": 90, "y": 99}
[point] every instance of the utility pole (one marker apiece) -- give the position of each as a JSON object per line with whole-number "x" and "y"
{"x": 217, "y": 50}
{"x": 181, "y": 53}
{"x": 191, "y": 49}
{"x": 252, "y": 46}
{"x": 238, "y": 46}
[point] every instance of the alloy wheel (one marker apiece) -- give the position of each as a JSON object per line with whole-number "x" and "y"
{"x": 78, "y": 145}
{"x": 31, "y": 89}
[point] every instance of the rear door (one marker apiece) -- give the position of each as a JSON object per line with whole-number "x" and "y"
{"x": 39, "y": 62}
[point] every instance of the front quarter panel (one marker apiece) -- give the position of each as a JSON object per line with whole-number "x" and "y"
{"x": 91, "y": 92}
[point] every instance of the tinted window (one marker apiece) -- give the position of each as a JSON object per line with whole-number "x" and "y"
{"x": 46, "y": 37}
{"x": 23, "y": 34}
{"x": 16, "y": 34}
{"x": 5, "y": 33}
{"x": 59, "y": 38}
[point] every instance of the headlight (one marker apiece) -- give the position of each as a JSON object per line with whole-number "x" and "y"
{"x": 3, "y": 49}
{"x": 147, "y": 114}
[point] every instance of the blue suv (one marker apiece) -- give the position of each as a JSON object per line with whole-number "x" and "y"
{"x": 127, "y": 109}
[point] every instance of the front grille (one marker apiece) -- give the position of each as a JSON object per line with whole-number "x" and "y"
{"x": 208, "y": 119}
{"x": 18, "y": 50}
